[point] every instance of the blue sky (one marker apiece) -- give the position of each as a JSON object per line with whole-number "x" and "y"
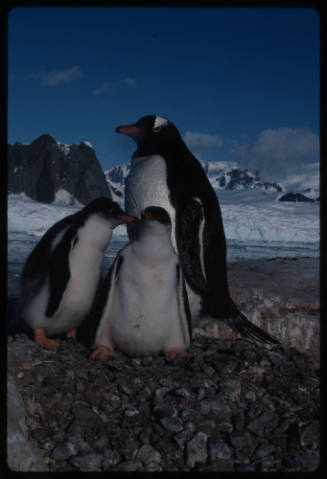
{"x": 240, "y": 84}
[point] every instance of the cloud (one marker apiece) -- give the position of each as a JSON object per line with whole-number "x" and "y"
{"x": 202, "y": 141}
{"x": 278, "y": 151}
{"x": 130, "y": 81}
{"x": 102, "y": 90}
{"x": 56, "y": 77}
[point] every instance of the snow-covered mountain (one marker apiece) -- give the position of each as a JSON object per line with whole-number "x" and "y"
{"x": 52, "y": 172}
{"x": 228, "y": 176}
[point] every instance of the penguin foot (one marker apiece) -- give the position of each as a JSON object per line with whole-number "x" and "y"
{"x": 42, "y": 340}
{"x": 102, "y": 352}
{"x": 71, "y": 334}
{"x": 174, "y": 353}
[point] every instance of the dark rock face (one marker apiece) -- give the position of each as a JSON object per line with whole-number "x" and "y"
{"x": 44, "y": 167}
{"x": 296, "y": 197}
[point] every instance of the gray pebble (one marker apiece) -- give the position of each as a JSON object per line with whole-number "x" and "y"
{"x": 172, "y": 424}
{"x": 218, "y": 449}
{"x": 196, "y": 450}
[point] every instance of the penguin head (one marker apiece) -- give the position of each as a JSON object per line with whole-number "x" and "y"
{"x": 151, "y": 132}
{"x": 155, "y": 218}
{"x": 108, "y": 209}
{"x": 156, "y": 213}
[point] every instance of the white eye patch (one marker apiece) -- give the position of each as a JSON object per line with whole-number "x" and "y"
{"x": 159, "y": 122}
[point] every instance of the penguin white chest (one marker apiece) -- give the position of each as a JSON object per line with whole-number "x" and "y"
{"x": 146, "y": 186}
{"x": 85, "y": 259}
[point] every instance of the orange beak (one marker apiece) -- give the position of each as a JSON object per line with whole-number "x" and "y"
{"x": 128, "y": 219}
{"x": 149, "y": 217}
{"x": 129, "y": 130}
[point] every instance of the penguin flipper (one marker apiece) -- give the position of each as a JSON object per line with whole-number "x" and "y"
{"x": 59, "y": 272}
{"x": 184, "y": 304}
{"x": 189, "y": 246}
{"x": 100, "y": 325}
{"x": 243, "y": 326}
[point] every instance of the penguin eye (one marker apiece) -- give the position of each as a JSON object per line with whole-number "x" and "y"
{"x": 156, "y": 129}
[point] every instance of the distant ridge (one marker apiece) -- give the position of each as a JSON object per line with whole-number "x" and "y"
{"x": 49, "y": 171}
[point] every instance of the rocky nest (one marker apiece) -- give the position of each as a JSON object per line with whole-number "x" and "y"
{"x": 228, "y": 406}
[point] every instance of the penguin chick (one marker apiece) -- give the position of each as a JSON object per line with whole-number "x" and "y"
{"x": 143, "y": 308}
{"x": 61, "y": 274}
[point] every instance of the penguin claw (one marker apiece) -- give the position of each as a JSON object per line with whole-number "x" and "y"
{"x": 102, "y": 352}
{"x": 174, "y": 353}
{"x": 71, "y": 334}
{"x": 42, "y": 340}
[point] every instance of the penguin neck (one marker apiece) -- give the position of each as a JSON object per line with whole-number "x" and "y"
{"x": 154, "y": 240}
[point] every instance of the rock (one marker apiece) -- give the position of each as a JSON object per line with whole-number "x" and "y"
{"x": 231, "y": 389}
{"x": 82, "y": 419}
{"x": 87, "y": 462}
{"x": 310, "y": 434}
{"x": 264, "y": 450}
{"x": 218, "y": 449}
{"x": 63, "y": 452}
{"x": 21, "y": 455}
{"x": 196, "y": 450}
{"x": 148, "y": 454}
{"x": 295, "y": 197}
{"x": 172, "y": 424}
{"x": 46, "y": 170}
{"x": 164, "y": 410}
{"x": 129, "y": 466}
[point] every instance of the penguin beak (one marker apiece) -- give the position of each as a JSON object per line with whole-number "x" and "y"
{"x": 128, "y": 219}
{"x": 148, "y": 217}
{"x": 130, "y": 130}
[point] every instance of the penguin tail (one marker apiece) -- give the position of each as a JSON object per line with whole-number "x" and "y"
{"x": 243, "y": 326}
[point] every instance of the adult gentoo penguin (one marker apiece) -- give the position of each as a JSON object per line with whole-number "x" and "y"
{"x": 143, "y": 307}
{"x": 165, "y": 173}
{"x": 61, "y": 274}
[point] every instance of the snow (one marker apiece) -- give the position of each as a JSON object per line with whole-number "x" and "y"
{"x": 89, "y": 144}
{"x": 255, "y": 224}
{"x": 63, "y": 197}
{"x": 64, "y": 148}
{"x": 34, "y": 218}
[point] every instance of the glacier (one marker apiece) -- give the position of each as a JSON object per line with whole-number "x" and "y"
{"x": 255, "y": 224}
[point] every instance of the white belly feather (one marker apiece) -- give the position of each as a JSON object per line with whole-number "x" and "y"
{"x": 146, "y": 185}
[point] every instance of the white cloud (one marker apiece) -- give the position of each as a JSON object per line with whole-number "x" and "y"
{"x": 202, "y": 141}
{"x": 130, "y": 81}
{"x": 102, "y": 89}
{"x": 59, "y": 77}
{"x": 56, "y": 77}
{"x": 279, "y": 151}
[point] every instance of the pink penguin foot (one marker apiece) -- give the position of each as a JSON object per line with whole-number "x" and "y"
{"x": 42, "y": 340}
{"x": 71, "y": 334}
{"x": 174, "y": 353}
{"x": 102, "y": 352}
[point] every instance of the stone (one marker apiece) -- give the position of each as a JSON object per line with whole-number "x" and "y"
{"x": 240, "y": 441}
{"x": 172, "y": 424}
{"x": 129, "y": 466}
{"x": 21, "y": 455}
{"x": 164, "y": 410}
{"x": 310, "y": 435}
{"x": 218, "y": 449}
{"x": 196, "y": 449}
{"x": 232, "y": 389}
{"x": 87, "y": 462}
{"x": 264, "y": 450}
{"x": 219, "y": 407}
{"x": 148, "y": 454}
{"x": 63, "y": 452}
